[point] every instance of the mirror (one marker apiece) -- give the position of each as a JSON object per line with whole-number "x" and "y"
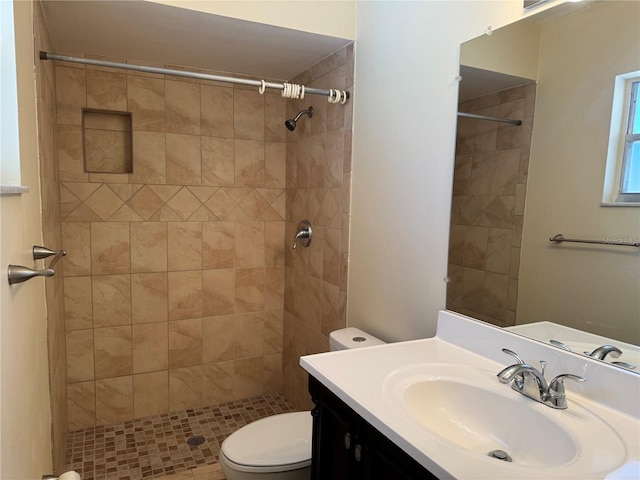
{"x": 515, "y": 187}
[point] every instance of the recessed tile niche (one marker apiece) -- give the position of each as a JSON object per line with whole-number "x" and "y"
{"x": 107, "y": 141}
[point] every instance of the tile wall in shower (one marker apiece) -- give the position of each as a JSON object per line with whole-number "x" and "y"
{"x": 174, "y": 279}
{"x": 52, "y": 235}
{"x": 319, "y": 190}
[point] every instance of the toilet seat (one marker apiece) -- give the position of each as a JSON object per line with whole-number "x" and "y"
{"x": 279, "y": 443}
{"x": 262, "y": 469}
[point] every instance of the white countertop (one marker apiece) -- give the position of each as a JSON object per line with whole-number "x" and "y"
{"x": 359, "y": 377}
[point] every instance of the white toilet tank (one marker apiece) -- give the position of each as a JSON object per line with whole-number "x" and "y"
{"x": 351, "y": 337}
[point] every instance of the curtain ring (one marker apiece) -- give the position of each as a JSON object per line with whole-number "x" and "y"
{"x": 284, "y": 90}
{"x": 302, "y": 92}
{"x": 262, "y": 87}
{"x": 330, "y": 99}
{"x": 344, "y": 98}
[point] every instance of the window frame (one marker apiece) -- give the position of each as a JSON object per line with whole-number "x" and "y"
{"x": 629, "y": 138}
{"x": 10, "y": 175}
{"x": 618, "y": 152}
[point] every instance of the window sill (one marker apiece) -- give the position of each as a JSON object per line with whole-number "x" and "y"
{"x": 621, "y": 204}
{"x": 13, "y": 189}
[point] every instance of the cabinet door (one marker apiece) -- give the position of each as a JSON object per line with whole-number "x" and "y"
{"x": 334, "y": 436}
{"x": 347, "y": 447}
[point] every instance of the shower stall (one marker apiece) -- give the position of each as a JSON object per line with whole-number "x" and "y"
{"x": 181, "y": 311}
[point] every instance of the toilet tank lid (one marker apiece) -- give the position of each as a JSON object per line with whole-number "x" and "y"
{"x": 351, "y": 337}
{"x": 276, "y": 440}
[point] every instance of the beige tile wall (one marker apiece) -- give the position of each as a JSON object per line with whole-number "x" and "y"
{"x": 174, "y": 282}
{"x": 489, "y": 191}
{"x": 52, "y": 237}
{"x": 318, "y": 189}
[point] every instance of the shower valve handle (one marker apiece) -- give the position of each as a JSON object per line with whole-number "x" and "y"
{"x": 304, "y": 234}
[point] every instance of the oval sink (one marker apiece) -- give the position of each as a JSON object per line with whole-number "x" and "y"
{"x": 467, "y": 410}
{"x": 483, "y": 421}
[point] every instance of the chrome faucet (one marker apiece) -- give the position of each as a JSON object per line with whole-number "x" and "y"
{"x": 531, "y": 383}
{"x": 601, "y": 352}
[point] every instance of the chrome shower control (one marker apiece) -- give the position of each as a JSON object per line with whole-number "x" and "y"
{"x": 304, "y": 234}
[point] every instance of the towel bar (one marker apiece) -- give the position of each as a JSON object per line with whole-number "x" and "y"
{"x": 559, "y": 238}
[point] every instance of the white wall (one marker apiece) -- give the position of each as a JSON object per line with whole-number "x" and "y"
{"x": 333, "y": 18}
{"x": 513, "y": 50}
{"x": 407, "y": 55}
{"x": 25, "y": 430}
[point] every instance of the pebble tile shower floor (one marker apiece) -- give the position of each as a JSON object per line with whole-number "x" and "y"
{"x": 155, "y": 447}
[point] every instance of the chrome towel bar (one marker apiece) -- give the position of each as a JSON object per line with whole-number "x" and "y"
{"x": 19, "y": 273}
{"x": 559, "y": 238}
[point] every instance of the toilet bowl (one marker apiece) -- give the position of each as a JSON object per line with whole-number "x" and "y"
{"x": 279, "y": 447}
{"x": 276, "y": 447}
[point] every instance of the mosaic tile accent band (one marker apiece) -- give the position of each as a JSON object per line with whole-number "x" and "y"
{"x": 155, "y": 447}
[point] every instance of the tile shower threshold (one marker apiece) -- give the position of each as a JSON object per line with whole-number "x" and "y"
{"x": 155, "y": 447}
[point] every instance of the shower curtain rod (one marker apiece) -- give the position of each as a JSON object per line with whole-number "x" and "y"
{"x": 493, "y": 119}
{"x": 261, "y": 84}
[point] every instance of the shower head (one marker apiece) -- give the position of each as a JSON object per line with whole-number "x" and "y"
{"x": 291, "y": 123}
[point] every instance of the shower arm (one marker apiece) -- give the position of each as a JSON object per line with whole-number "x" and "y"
{"x": 303, "y": 112}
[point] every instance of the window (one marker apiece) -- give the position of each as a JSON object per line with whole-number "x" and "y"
{"x": 622, "y": 177}
{"x": 630, "y": 175}
{"x": 9, "y": 148}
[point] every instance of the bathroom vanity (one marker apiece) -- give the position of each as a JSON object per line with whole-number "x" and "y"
{"x": 434, "y": 408}
{"x": 345, "y": 446}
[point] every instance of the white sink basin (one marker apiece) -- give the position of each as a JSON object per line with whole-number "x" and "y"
{"x": 483, "y": 421}
{"x": 470, "y": 411}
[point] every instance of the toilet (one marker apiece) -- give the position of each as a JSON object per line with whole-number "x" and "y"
{"x": 279, "y": 447}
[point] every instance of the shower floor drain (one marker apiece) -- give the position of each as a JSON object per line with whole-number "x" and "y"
{"x": 195, "y": 441}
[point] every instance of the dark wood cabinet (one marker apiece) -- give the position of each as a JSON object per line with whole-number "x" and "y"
{"x": 347, "y": 447}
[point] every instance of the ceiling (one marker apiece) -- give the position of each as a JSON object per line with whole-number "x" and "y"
{"x": 477, "y": 82}
{"x": 167, "y": 35}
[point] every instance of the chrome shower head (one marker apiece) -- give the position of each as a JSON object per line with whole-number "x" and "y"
{"x": 291, "y": 123}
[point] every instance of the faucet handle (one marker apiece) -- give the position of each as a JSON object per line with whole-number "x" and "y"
{"x": 555, "y": 394}
{"x": 514, "y": 355}
{"x": 556, "y": 387}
